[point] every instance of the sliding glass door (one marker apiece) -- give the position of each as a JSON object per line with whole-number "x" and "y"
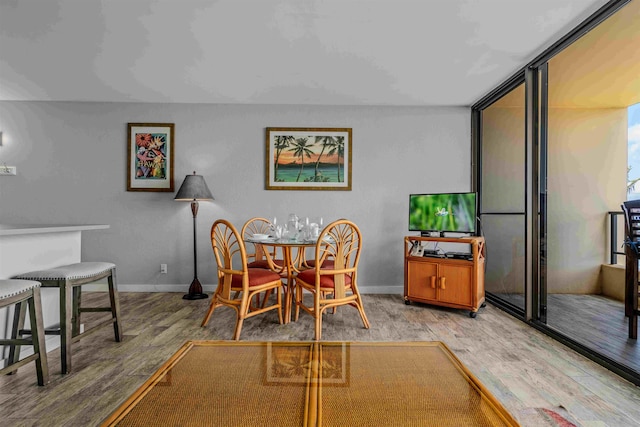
{"x": 502, "y": 197}
{"x": 584, "y": 161}
{"x": 551, "y": 165}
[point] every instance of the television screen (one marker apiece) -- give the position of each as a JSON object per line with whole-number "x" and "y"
{"x": 453, "y": 212}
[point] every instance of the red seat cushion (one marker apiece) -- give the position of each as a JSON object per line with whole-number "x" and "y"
{"x": 327, "y": 263}
{"x": 326, "y": 281}
{"x": 257, "y": 277}
{"x": 263, "y": 263}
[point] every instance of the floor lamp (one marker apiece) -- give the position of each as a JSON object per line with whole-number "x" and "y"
{"x": 194, "y": 188}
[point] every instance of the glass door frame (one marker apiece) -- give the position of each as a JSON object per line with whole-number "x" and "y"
{"x": 538, "y": 95}
{"x": 476, "y": 132}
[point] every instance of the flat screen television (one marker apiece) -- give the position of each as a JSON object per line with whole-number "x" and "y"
{"x": 443, "y": 212}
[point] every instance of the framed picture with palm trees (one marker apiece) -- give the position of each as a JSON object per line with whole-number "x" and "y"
{"x": 308, "y": 159}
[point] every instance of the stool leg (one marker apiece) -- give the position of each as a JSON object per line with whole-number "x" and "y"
{"x": 75, "y": 317}
{"x": 37, "y": 337}
{"x": 18, "y": 324}
{"x": 115, "y": 305}
{"x": 65, "y": 325}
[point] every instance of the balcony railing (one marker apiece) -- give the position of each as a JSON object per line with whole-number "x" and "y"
{"x": 615, "y": 248}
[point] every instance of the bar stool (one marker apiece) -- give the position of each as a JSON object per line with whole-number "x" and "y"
{"x": 69, "y": 279}
{"x": 19, "y": 293}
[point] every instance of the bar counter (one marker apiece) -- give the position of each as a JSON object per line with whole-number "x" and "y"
{"x": 25, "y": 248}
{"x": 16, "y": 229}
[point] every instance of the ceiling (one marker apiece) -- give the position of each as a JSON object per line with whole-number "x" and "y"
{"x": 318, "y": 52}
{"x": 599, "y": 70}
{"x": 602, "y": 68}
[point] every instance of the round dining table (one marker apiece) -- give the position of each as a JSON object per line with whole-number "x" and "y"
{"x": 291, "y": 266}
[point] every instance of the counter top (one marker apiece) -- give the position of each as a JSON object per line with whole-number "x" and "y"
{"x": 18, "y": 229}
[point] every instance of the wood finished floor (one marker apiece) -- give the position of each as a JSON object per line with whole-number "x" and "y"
{"x": 526, "y": 370}
{"x": 595, "y": 321}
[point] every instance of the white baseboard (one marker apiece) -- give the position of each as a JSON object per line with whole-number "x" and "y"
{"x": 147, "y": 288}
{"x": 392, "y": 290}
{"x": 209, "y": 288}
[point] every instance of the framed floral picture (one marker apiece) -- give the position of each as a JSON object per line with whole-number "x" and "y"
{"x": 150, "y": 148}
{"x": 308, "y": 159}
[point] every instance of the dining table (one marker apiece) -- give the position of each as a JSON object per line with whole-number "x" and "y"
{"x": 293, "y": 261}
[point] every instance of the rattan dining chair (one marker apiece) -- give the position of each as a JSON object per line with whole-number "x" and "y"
{"x": 257, "y": 256}
{"x": 237, "y": 283}
{"x": 334, "y": 286}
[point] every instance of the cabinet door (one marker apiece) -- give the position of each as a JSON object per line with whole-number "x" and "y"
{"x": 455, "y": 283}
{"x": 422, "y": 280}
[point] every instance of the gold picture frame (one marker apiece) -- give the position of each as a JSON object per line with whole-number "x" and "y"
{"x": 150, "y": 148}
{"x": 308, "y": 158}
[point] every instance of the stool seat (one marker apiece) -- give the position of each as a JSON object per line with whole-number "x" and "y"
{"x": 69, "y": 279}
{"x": 13, "y": 287}
{"x": 20, "y": 293}
{"x": 80, "y": 270}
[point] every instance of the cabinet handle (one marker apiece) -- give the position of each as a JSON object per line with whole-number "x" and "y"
{"x": 433, "y": 281}
{"x": 442, "y": 283}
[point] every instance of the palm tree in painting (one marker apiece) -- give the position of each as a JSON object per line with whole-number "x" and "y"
{"x": 338, "y": 148}
{"x": 326, "y": 141}
{"x": 281, "y": 142}
{"x": 301, "y": 149}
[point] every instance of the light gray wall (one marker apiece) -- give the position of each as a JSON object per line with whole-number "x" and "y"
{"x": 587, "y": 178}
{"x": 71, "y": 160}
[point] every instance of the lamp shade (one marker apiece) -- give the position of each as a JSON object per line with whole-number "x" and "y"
{"x": 193, "y": 187}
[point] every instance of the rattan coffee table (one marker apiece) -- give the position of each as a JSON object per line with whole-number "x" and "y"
{"x": 227, "y": 383}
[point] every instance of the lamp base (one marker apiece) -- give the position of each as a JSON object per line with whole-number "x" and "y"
{"x": 195, "y": 296}
{"x": 195, "y": 291}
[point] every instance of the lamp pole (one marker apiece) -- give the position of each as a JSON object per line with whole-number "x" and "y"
{"x": 195, "y": 289}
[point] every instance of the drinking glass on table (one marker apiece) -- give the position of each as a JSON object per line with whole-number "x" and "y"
{"x": 314, "y": 231}
{"x": 278, "y": 232}
{"x": 290, "y": 232}
{"x": 293, "y": 220}
{"x": 316, "y": 227}
{"x": 304, "y": 228}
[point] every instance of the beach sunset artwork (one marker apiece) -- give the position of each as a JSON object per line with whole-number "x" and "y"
{"x": 308, "y": 159}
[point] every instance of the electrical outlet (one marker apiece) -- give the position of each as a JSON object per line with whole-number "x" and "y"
{"x": 8, "y": 170}
{"x": 163, "y": 268}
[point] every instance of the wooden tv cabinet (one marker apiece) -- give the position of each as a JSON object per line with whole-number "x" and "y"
{"x": 445, "y": 281}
